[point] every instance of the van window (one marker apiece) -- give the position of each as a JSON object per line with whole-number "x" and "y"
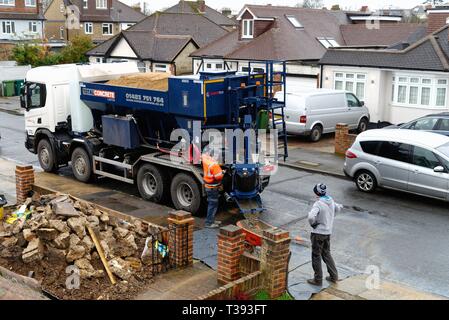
{"x": 395, "y": 151}
{"x": 352, "y": 100}
{"x": 370, "y": 147}
{"x": 425, "y": 158}
{"x": 326, "y": 101}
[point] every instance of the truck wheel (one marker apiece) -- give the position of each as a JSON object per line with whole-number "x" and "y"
{"x": 152, "y": 183}
{"x": 315, "y": 133}
{"x": 81, "y": 165}
{"x": 186, "y": 193}
{"x": 46, "y": 156}
{"x": 363, "y": 125}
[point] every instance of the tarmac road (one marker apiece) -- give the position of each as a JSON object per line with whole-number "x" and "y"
{"x": 405, "y": 236}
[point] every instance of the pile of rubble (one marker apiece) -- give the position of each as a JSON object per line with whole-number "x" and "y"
{"x": 57, "y": 229}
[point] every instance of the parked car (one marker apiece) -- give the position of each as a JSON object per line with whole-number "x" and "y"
{"x": 319, "y": 111}
{"x": 438, "y": 123}
{"x": 407, "y": 160}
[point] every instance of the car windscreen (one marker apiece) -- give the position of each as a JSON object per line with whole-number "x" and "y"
{"x": 444, "y": 149}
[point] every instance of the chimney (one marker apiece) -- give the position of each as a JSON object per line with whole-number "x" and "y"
{"x": 437, "y": 18}
{"x": 226, "y": 12}
{"x": 201, "y": 6}
{"x": 364, "y": 9}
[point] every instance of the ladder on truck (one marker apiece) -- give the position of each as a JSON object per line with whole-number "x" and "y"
{"x": 276, "y": 79}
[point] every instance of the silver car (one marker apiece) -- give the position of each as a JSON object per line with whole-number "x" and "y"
{"x": 406, "y": 160}
{"x": 319, "y": 111}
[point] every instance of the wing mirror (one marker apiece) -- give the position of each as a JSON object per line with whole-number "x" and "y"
{"x": 439, "y": 169}
{"x": 362, "y": 103}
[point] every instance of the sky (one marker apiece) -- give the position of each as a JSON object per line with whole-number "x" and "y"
{"x": 236, "y": 5}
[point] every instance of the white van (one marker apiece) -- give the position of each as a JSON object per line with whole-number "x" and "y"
{"x": 319, "y": 111}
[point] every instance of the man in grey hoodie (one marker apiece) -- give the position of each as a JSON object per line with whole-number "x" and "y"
{"x": 321, "y": 218}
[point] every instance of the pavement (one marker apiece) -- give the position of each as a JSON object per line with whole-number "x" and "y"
{"x": 11, "y": 105}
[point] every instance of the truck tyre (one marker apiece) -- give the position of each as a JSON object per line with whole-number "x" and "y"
{"x": 316, "y": 133}
{"x": 81, "y": 165}
{"x": 363, "y": 125}
{"x": 46, "y": 156}
{"x": 186, "y": 193}
{"x": 152, "y": 183}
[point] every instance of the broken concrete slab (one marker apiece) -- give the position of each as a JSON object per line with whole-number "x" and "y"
{"x": 33, "y": 252}
{"x": 47, "y": 234}
{"x": 78, "y": 226}
{"x": 75, "y": 253}
{"x": 65, "y": 209}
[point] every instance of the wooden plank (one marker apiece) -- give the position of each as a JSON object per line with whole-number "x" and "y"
{"x": 101, "y": 254}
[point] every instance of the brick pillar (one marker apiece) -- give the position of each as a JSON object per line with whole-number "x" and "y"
{"x": 24, "y": 182}
{"x": 274, "y": 261}
{"x": 230, "y": 247}
{"x": 341, "y": 134}
{"x": 180, "y": 241}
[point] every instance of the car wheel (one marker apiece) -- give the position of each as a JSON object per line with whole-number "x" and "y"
{"x": 363, "y": 125}
{"x": 46, "y": 156}
{"x": 366, "y": 181}
{"x": 152, "y": 183}
{"x": 186, "y": 193}
{"x": 81, "y": 165}
{"x": 316, "y": 133}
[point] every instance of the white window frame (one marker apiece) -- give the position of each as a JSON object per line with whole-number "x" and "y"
{"x": 85, "y": 4}
{"x": 294, "y": 21}
{"x": 32, "y": 26}
{"x": 157, "y": 67}
{"x": 328, "y": 42}
{"x": 8, "y": 27}
{"x": 351, "y": 77}
{"x": 101, "y": 4}
{"x": 248, "y": 26}
{"x": 421, "y": 82}
{"x": 110, "y": 27}
{"x": 88, "y": 26}
{"x": 9, "y": 3}
{"x": 61, "y": 32}
{"x": 30, "y": 3}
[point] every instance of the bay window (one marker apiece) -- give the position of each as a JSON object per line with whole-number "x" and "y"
{"x": 418, "y": 91}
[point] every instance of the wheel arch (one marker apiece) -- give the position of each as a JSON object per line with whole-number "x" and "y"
{"x": 370, "y": 168}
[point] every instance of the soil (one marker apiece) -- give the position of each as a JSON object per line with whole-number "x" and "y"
{"x": 151, "y": 80}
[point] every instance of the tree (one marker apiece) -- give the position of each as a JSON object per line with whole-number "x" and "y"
{"x": 314, "y": 4}
{"x": 335, "y": 7}
{"x": 38, "y": 54}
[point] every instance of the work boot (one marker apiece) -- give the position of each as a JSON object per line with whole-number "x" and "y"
{"x": 315, "y": 282}
{"x": 330, "y": 279}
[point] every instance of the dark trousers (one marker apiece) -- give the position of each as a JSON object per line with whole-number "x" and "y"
{"x": 212, "y": 204}
{"x": 321, "y": 249}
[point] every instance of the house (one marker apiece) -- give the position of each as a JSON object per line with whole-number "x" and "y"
{"x": 397, "y": 85}
{"x": 161, "y": 42}
{"x": 298, "y": 36}
{"x": 21, "y": 20}
{"x": 98, "y": 19}
{"x": 200, "y": 7}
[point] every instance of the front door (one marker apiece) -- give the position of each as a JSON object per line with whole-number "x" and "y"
{"x": 423, "y": 178}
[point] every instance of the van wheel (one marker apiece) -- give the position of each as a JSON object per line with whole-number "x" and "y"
{"x": 186, "y": 193}
{"x": 316, "y": 133}
{"x": 152, "y": 183}
{"x": 81, "y": 165}
{"x": 363, "y": 125}
{"x": 365, "y": 181}
{"x": 46, "y": 156}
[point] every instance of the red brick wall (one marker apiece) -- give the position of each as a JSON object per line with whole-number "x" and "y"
{"x": 20, "y": 7}
{"x": 436, "y": 21}
{"x": 181, "y": 226}
{"x": 230, "y": 248}
{"x": 24, "y": 182}
{"x": 343, "y": 139}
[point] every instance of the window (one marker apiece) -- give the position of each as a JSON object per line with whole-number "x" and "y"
{"x": 248, "y": 29}
{"x": 107, "y": 29}
{"x": 209, "y": 66}
{"x": 424, "y": 124}
{"x": 141, "y": 66}
{"x": 370, "y": 147}
{"x": 30, "y": 3}
{"x": 444, "y": 149}
{"x": 352, "y": 82}
{"x": 101, "y": 4}
{"x": 294, "y": 21}
{"x": 219, "y": 66}
{"x": 160, "y": 68}
{"x": 7, "y": 2}
{"x": 88, "y": 28}
{"x": 61, "y": 32}
{"x": 444, "y": 125}
{"x": 85, "y": 4}
{"x": 417, "y": 91}
{"x": 36, "y": 95}
{"x": 32, "y": 26}
{"x": 100, "y": 60}
{"x": 352, "y": 101}
{"x": 328, "y": 42}
{"x": 425, "y": 158}
{"x": 395, "y": 151}
{"x": 8, "y": 27}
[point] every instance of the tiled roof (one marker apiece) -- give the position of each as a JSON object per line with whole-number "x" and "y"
{"x": 430, "y": 54}
{"x": 386, "y": 35}
{"x": 211, "y": 14}
{"x": 283, "y": 41}
{"x": 201, "y": 29}
{"x": 21, "y": 16}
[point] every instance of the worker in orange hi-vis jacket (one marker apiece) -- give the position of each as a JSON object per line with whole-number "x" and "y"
{"x": 213, "y": 175}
